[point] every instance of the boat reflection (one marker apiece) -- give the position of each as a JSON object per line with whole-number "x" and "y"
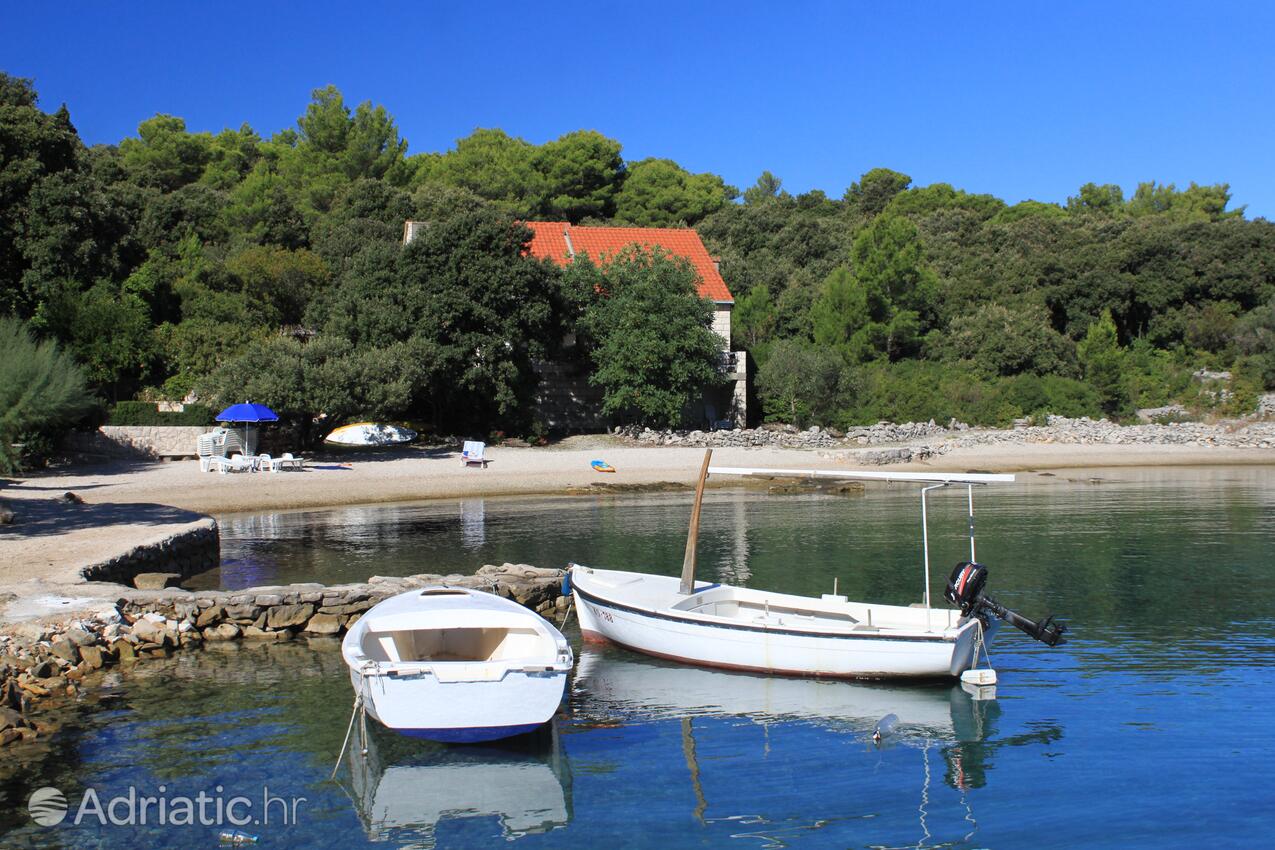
{"x": 943, "y": 736}
{"x": 611, "y": 681}
{"x": 403, "y": 791}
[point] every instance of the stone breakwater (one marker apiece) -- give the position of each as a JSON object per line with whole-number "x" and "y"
{"x": 920, "y": 440}
{"x": 40, "y": 662}
{"x": 181, "y": 555}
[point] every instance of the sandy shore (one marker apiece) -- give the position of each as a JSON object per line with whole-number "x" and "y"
{"x": 130, "y": 503}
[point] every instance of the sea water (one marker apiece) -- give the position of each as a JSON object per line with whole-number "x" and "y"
{"x": 1150, "y": 727}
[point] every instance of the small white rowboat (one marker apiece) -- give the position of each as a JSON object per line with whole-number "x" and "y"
{"x": 457, "y": 665}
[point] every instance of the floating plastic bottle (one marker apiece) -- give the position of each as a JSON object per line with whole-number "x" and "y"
{"x": 885, "y": 726}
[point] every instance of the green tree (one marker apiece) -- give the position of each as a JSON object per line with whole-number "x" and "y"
{"x": 766, "y": 188}
{"x": 466, "y": 287}
{"x": 1004, "y": 341}
{"x": 164, "y": 155}
{"x": 800, "y": 383}
{"x": 753, "y": 319}
{"x": 1107, "y": 199}
{"x": 492, "y": 165}
{"x": 881, "y": 308}
{"x": 875, "y": 189}
{"x": 1254, "y": 336}
{"x": 326, "y": 378}
{"x": 581, "y": 173}
{"x": 42, "y": 390}
{"x": 660, "y": 193}
{"x": 277, "y": 283}
{"x": 1102, "y": 360}
{"x": 649, "y": 333}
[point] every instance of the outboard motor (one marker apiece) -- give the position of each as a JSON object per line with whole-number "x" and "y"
{"x": 965, "y": 591}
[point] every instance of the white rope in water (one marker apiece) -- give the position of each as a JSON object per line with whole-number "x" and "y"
{"x": 358, "y": 704}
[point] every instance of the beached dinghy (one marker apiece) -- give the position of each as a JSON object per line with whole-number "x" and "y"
{"x": 457, "y": 665}
{"x": 370, "y": 435}
{"x": 744, "y": 629}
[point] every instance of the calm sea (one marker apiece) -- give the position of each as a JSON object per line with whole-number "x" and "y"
{"x": 1151, "y": 727}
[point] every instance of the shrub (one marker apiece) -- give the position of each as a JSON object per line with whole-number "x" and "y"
{"x": 147, "y": 413}
{"x": 42, "y": 393}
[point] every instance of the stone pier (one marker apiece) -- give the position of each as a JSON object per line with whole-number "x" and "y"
{"x": 40, "y": 662}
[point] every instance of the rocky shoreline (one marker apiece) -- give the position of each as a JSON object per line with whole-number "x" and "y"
{"x": 46, "y": 664}
{"x": 911, "y": 441}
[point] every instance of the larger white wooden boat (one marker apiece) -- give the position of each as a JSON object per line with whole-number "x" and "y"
{"x": 457, "y": 665}
{"x": 745, "y": 629}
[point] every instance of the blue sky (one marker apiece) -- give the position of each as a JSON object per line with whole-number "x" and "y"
{"x": 1020, "y": 99}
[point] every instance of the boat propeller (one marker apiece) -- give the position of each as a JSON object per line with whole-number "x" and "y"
{"x": 965, "y": 590}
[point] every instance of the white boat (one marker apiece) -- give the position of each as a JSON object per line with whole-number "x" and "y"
{"x": 740, "y": 628}
{"x": 457, "y": 665}
{"x": 370, "y": 434}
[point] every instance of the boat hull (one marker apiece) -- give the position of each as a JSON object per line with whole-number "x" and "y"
{"x": 666, "y": 633}
{"x": 517, "y": 704}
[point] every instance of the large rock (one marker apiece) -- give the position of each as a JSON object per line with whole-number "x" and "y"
{"x": 254, "y": 633}
{"x": 94, "y": 656}
{"x": 147, "y": 631}
{"x": 225, "y": 631}
{"x": 209, "y": 616}
{"x": 287, "y": 616}
{"x": 324, "y": 624}
{"x": 63, "y": 648}
{"x": 156, "y": 581}
{"x": 10, "y": 719}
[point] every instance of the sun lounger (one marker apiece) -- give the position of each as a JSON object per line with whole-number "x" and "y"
{"x": 290, "y": 462}
{"x": 472, "y": 454}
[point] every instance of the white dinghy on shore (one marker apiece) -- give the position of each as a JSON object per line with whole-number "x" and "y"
{"x": 457, "y": 665}
{"x": 740, "y": 628}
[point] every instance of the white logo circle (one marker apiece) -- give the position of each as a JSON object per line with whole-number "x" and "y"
{"x": 47, "y": 806}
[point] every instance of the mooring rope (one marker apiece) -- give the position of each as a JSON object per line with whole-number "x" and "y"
{"x": 358, "y": 704}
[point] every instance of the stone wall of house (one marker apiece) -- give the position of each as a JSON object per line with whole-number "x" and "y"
{"x": 565, "y": 400}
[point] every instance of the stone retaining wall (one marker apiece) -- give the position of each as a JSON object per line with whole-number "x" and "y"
{"x": 149, "y": 441}
{"x": 184, "y": 554}
{"x": 39, "y": 662}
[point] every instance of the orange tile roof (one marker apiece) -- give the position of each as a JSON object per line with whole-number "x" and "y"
{"x": 550, "y": 241}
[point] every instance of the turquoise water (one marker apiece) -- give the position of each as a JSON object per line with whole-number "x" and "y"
{"x": 1150, "y": 728}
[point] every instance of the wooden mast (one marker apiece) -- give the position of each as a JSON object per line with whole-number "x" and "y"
{"x": 688, "y": 562}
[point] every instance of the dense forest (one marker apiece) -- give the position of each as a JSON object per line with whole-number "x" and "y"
{"x": 231, "y": 265}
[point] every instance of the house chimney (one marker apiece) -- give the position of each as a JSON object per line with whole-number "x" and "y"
{"x": 566, "y": 235}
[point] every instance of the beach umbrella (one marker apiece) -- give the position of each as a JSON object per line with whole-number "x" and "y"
{"x": 250, "y": 415}
{"x": 247, "y": 412}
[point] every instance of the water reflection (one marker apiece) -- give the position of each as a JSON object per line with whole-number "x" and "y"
{"x": 612, "y": 683}
{"x": 402, "y": 790}
{"x": 815, "y": 746}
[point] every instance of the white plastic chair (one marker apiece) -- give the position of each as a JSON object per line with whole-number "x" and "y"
{"x": 472, "y": 454}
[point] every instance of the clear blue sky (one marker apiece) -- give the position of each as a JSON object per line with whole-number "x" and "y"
{"x": 1021, "y": 99}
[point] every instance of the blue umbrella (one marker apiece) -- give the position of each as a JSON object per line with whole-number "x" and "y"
{"x": 247, "y": 412}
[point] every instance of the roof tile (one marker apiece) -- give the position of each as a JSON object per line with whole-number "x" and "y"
{"x": 550, "y": 241}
